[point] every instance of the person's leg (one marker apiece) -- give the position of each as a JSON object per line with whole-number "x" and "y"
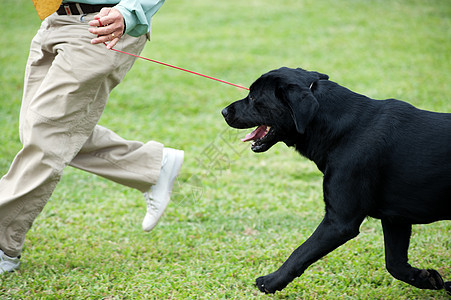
{"x": 130, "y": 163}
{"x": 57, "y": 117}
{"x": 146, "y": 167}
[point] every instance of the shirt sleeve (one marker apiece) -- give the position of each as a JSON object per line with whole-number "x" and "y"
{"x": 137, "y": 14}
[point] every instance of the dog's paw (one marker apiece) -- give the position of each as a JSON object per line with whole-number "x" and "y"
{"x": 263, "y": 285}
{"x": 428, "y": 279}
{"x": 260, "y": 283}
{"x": 270, "y": 284}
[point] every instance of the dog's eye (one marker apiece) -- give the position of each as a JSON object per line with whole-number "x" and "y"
{"x": 252, "y": 99}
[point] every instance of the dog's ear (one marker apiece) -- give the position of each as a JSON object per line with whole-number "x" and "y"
{"x": 303, "y": 105}
{"x": 321, "y": 76}
{"x": 311, "y": 76}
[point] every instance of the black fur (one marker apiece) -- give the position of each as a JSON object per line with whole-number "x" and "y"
{"x": 380, "y": 158}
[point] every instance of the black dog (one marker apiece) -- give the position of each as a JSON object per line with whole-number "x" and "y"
{"x": 380, "y": 158}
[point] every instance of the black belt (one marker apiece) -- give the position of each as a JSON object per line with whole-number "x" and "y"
{"x": 80, "y": 8}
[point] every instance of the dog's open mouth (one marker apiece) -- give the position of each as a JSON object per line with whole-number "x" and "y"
{"x": 262, "y": 137}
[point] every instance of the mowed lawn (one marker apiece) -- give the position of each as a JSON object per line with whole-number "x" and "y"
{"x": 235, "y": 215}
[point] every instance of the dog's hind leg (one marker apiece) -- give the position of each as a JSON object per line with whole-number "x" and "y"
{"x": 330, "y": 234}
{"x": 396, "y": 240}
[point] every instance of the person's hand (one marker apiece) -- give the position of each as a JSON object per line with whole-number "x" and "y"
{"x": 109, "y": 27}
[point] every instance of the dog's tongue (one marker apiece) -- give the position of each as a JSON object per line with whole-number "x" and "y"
{"x": 256, "y": 134}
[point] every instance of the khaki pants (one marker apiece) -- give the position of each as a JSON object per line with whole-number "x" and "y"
{"x": 67, "y": 84}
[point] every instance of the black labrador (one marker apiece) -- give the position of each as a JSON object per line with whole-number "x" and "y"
{"x": 380, "y": 158}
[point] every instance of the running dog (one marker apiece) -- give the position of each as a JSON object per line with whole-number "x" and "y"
{"x": 383, "y": 159}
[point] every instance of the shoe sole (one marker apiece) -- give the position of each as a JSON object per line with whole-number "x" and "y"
{"x": 176, "y": 167}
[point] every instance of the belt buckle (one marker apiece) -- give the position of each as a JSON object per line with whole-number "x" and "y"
{"x": 67, "y": 10}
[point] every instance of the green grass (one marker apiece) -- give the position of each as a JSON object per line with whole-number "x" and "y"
{"x": 235, "y": 215}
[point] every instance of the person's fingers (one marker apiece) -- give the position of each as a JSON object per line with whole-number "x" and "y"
{"x": 109, "y": 27}
{"x": 107, "y": 30}
{"x": 111, "y": 39}
{"x": 114, "y": 17}
{"x": 113, "y": 43}
{"x": 103, "y": 13}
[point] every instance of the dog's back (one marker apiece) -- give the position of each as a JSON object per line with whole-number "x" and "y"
{"x": 406, "y": 151}
{"x": 416, "y": 169}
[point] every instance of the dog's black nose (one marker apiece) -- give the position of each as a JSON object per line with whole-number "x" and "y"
{"x": 224, "y": 112}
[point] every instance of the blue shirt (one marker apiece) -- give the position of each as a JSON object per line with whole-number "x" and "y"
{"x": 137, "y": 13}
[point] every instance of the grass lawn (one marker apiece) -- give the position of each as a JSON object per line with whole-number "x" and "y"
{"x": 235, "y": 215}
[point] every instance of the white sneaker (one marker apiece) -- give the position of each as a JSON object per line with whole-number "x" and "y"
{"x": 158, "y": 196}
{"x": 8, "y": 264}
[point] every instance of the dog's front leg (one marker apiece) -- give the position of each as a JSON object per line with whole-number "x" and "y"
{"x": 330, "y": 234}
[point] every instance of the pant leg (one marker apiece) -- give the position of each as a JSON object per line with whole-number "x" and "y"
{"x": 38, "y": 64}
{"x": 130, "y": 163}
{"x": 63, "y": 101}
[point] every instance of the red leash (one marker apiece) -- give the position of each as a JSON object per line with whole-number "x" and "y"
{"x": 178, "y": 68}
{"x": 168, "y": 65}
